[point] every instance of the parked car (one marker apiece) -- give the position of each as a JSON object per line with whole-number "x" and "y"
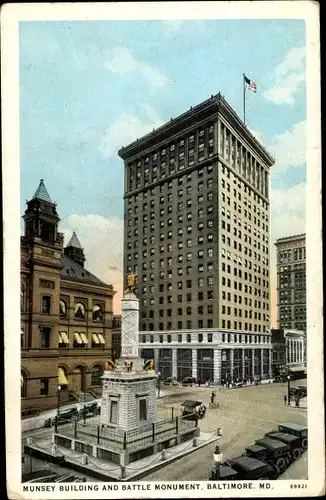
{"x": 249, "y": 468}
{"x": 189, "y": 381}
{"x": 90, "y": 410}
{"x": 170, "y": 381}
{"x": 63, "y": 417}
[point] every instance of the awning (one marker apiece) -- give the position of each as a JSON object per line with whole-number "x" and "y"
{"x": 62, "y": 379}
{"x": 101, "y": 338}
{"x": 78, "y": 339}
{"x": 95, "y": 338}
{"x": 60, "y": 338}
{"x": 84, "y": 338}
{"x": 65, "y": 338}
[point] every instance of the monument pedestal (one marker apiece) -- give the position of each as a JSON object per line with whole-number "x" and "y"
{"x": 129, "y": 399}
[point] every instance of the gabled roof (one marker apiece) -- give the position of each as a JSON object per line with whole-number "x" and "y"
{"x": 73, "y": 271}
{"x": 74, "y": 241}
{"x": 42, "y": 193}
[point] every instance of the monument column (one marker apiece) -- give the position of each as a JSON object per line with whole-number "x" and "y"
{"x": 243, "y": 363}
{"x": 231, "y": 364}
{"x": 253, "y": 363}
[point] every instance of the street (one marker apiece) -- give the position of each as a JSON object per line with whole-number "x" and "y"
{"x": 245, "y": 415}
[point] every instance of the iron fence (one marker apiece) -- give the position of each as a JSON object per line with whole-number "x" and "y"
{"x": 118, "y": 440}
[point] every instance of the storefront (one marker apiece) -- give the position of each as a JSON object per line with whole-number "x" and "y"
{"x": 205, "y": 365}
{"x": 225, "y": 366}
{"x": 257, "y": 362}
{"x": 165, "y": 363}
{"x": 184, "y": 362}
{"x": 265, "y": 366}
{"x": 237, "y": 364}
{"x": 147, "y": 354}
{"x": 247, "y": 364}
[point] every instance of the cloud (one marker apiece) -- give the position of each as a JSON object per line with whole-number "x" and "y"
{"x": 102, "y": 240}
{"x": 120, "y": 60}
{"x": 289, "y": 148}
{"x": 288, "y": 77}
{"x": 127, "y": 128}
{"x": 257, "y": 136}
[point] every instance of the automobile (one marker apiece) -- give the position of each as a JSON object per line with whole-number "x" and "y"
{"x": 301, "y": 431}
{"x": 64, "y": 416}
{"x": 190, "y": 409}
{"x": 90, "y": 410}
{"x": 170, "y": 381}
{"x": 293, "y": 443}
{"x": 249, "y": 468}
{"x": 189, "y": 381}
{"x": 69, "y": 478}
{"x": 226, "y": 473}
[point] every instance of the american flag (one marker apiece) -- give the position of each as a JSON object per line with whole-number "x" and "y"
{"x": 250, "y": 85}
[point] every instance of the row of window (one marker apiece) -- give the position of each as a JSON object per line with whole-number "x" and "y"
{"x": 226, "y": 337}
{"x": 226, "y": 324}
{"x": 291, "y": 255}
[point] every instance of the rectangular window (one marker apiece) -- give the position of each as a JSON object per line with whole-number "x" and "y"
{"x": 46, "y": 304}
{"x": 113, "y": 412}
{"x": 44, "y": 386}
{"x": 45, "y": 340}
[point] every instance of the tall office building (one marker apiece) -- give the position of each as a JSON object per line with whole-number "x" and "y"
{"x": 291, "y": 282}
{"x": 197, "y": 222}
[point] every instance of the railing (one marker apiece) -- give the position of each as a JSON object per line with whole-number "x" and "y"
{"x": 119, "y": 440}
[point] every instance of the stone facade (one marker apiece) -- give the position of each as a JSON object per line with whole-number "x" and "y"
{"x": 127, "y": 390}
{"x": 60, "y": 301}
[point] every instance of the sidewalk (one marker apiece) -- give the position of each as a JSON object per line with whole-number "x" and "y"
{"x": 32, "y": 423}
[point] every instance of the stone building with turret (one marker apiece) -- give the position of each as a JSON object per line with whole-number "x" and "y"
{"x": 66, "y": 313}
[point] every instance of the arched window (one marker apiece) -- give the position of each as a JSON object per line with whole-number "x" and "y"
{"x": 23, "y": 385}
{"x": 80, "y": 310}
{"x": 63, "y": 308}
{"x": 97, "y": 313}
{"x": 97, "y": 372}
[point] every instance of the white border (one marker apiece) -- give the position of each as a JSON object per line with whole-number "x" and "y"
{"x": 10, "y": 17}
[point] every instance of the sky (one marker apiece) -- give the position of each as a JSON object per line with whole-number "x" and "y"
{"x": 87, "y": 88}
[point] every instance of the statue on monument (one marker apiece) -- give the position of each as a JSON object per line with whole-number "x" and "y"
{"x": 131, "y": 282}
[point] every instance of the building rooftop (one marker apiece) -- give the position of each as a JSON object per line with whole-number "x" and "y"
{"x": 288, "y": 239}
{"x": 209, "y": 107}
{"x": 73, "y": 271}
{"x": 74, "y": 241}
{"x": 42, "y": 193}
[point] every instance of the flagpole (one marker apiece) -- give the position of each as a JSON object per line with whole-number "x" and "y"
{"x": 244, "y": 100}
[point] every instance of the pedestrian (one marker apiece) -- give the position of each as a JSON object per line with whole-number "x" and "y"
{"x": 285, "y": 400}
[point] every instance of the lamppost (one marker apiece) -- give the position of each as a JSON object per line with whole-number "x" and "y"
{"x": 58, "y": 393}
{"x": 289, "y": 396}
{"x": 158, "y": 384}
{"x": 218, "y": 457}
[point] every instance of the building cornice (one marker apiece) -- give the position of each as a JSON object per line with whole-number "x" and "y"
{"x": 210, "y": 108}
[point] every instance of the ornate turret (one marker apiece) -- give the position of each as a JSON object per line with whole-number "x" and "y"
{"x": 41, "y": 217}
{"x": 75, "y": 251}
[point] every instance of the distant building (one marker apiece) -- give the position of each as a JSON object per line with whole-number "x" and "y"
{"x": 291, "y": 282}
{"x": 197, "y": 224}
{"x": 288, "y": 352}
{"x": 66, "y": 312}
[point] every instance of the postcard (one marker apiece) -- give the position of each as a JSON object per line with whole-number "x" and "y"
{"x": 163, "y": 250}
